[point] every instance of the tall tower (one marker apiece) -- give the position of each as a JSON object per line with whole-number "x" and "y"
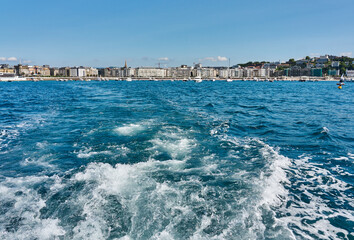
{"x": 125, "y": 71}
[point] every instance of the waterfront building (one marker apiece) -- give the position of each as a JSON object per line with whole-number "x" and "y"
{"x": 285, "y": 72}
{"x": 223, "y": 72}
{"x": 350, "y": 73}
{"x": 129, "y": 72}
{"x": 197, "y": 70}
{"x": 238, "y": 72}
{"x": 4, "y": 70}
{"x": 316, "y": 72}
{"x": 183, "y": 72}
{"x": 64, "y": 71}
{"x": 116, "y": 72}
{"x": 105, "y": 72}
{"x": 148, "y": 72}
{"x": 333, "y": 72}
{"x": 259, "y": 72}
{"x": 208, "y": 72}
{"x": 297, "y": 71}
{"x": 248, "y": 72}
{"x": 305, "y": 72}
{"x": 43, "y": 70}
{"x": 54, "y": 71}
{"x": 24, "y": 70}
{"x": 73, "y": 72}
{"x": 91, "y": 72}
{"x": 77, "y": 72}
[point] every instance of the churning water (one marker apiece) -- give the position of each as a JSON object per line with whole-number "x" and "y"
{"x": 176, "y": 160}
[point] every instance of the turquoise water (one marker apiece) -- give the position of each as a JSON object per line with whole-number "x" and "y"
{"x": 176, "y": 160}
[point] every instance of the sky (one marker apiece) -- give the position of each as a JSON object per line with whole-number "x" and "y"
{"x": 170, "y": 33}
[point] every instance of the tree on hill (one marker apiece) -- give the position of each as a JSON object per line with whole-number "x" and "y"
{"x": 291, "y": 62}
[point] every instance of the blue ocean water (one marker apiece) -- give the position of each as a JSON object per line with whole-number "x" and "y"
{"x": 176, "y": 160}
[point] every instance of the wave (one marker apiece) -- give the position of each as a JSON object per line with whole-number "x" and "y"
{"x": 87, "y": 153}
{"x": 173, "y": 142}
{"x": 131, "y": 129}
{"x": 308, "y": 209}
{"x": 21, "y": 206}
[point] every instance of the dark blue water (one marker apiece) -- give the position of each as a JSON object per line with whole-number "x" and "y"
{"x": 176, "y": 160}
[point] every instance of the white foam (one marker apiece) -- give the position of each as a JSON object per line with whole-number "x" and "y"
{"x": 43, "y": 161}
{"x": 122, "y": 150}
{"x": 309, "y": 179}
{"x": 150, "y": 202}
{"x": 173, "y": 142}
{"x": 26, "y": 209}
{"x": 341, "y": 159}
{"x": 7, "y": 136}
{"x": 130, "y": 129}
{"x": 87, "y": 153}
{"x": 274, "y": 191}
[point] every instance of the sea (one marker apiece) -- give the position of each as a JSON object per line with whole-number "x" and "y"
{"x": 176, "y": 160}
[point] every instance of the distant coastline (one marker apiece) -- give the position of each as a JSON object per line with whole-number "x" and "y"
{"x": 66, "y": 79}
{"x": 324, "y": 68}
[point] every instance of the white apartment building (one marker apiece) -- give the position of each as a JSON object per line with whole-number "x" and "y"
{"x": 91, "y": 72}
{"x": 248, "y": 72}
{"x": 238, "y": 72}
{"x": 147, "y": 72}
{"x": 208, "y": 72}
{"x": 77, "y": 72}
{"x": 224, "y": 73}
{"x": 259, "y": 72}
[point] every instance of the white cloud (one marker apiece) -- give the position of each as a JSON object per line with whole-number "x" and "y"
{"x": 222, "y": 59}
{"x": 26, "y": 61}
{"x": 164, "y": 59}
{"x": 12, "y": 59}
{"x": 213, "y": 59}
{"x": 209, "y": 59}
{"x": 346, "y": 54}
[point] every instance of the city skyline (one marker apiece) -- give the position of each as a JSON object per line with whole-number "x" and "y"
{"x": 106, "y": 33}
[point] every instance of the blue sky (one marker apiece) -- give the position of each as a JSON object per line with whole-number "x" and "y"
{"x": 107, "y": 32}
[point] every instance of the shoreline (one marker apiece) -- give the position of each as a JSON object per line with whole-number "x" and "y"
{"x": 65, "y": 79}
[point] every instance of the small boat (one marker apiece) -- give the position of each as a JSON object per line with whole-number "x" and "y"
{"x": 129, "y": 79}
{"x": 198, "y": 79}
{"x": 229, "y": 80}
